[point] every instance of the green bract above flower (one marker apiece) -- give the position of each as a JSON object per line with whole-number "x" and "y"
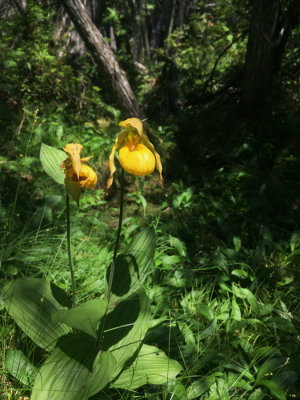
{"x": 137, "y": 154}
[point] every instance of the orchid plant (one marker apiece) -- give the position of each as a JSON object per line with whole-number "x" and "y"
{"x": 97, "y": 343}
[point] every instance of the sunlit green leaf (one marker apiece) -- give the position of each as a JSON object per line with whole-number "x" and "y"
{"x": 197, "y": 388}
{"x": 177, "y": 279}
{"x": 169, "y": 261}
{"x": 179, "y": 245}
{"x": 235, "y": 310}
{"x": 241, "y": 370}
{"x": 134, "y": 264}
{"x": 220, "y": 390}
{"x": 178, "y": 392}
{"x": 31, "y": 302}
{"x": 187, "y": 333}
{"x": 256, "y": 306}
{"x": 51, "y": 158}
{"x": 237, "y": 243}
{"x": 74, "y": 371}
{"x": 151, "y": 366}
{"x": 205, "y": 311}
{"x": 85, "y": 317}
{"x": 126, "y": 326}
{"x": 295, "y": 241}
{"x": 19, "y": 366}
{"x": 240, "y": 273}
{"x": 258, "y": 394}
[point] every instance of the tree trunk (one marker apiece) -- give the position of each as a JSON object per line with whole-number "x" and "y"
{"x": 143, "y": 27}
{"x": 181, "y": 15}
{"x": 164, "y": 23}
{"x": 73, "y": 44}
{"x": 171, "y": 23}
{"x": 269, "y": 30}
{"x": 103, "y": 57}
{"x": 8, "y": 8}
{"x": 260, "y": 50}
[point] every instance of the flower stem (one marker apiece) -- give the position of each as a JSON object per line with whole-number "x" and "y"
{"x": 69, "y": 249}
{"x": 120, "y": 217}
{"x": 112, "y": 265}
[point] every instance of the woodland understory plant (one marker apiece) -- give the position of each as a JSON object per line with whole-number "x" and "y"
{"x": 98, "y": 343}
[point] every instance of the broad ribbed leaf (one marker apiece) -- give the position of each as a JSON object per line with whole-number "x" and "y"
{"x": 19, "y": 366}
{"x": 205, "y": 311}
{"x": 265, "y": 352}
{"x": 51, "y": 158}
{"x": 197, "y": 388}
{"x": 30, "y": 302}
{"x": 275, "y": 389}
{"x": 269, "y": 366}
{"x": 134, "y": 264}
{"x": 125, "y": 328}
{"x": 74, "y": 371}
{"x": 235, "y": 310}
{"x": 85, "y": 317}
{"x": 151, "y": 366}
{"x": 104, "y": 369}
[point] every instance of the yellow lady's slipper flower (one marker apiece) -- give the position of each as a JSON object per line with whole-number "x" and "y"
{"x": 76, "y": 169}
{"x": 137, "y": 154}
{"x": 87, "y": 177}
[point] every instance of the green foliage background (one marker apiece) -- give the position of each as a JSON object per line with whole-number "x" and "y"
{"x": 226, "y": 281}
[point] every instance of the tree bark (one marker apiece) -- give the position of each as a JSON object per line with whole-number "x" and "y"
{"x": 181, "y": 15}
{"x": 260, "y": 50}
{"x": 171, "y": 22}
{"x": 104, "y": 57}
{"x": 144, "y": 30}
{"x": 269, "y": 30}
{"x": 164, "y": 23}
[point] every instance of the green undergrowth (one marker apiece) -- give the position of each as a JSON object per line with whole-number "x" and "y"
{"x": 224, "y": 288}
{"x": 225, "y": 281}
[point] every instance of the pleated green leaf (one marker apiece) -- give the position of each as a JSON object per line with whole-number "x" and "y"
{"x": 275, "y": 389}
{"x": 104, "y": 369}
{"x": 125, "y": 328}
{"x": 74, "y": 371}
{"x": 151, "y": 366}
{"x": 134, "y": 264}
{"x": 198, "y": 388}
{"x": 51, "y": 158}
{"x": 269, "y": 366}
{"x": 85, "y": 317}
{"x": 19, "y": 366}
{"x": 31, "y": 302}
